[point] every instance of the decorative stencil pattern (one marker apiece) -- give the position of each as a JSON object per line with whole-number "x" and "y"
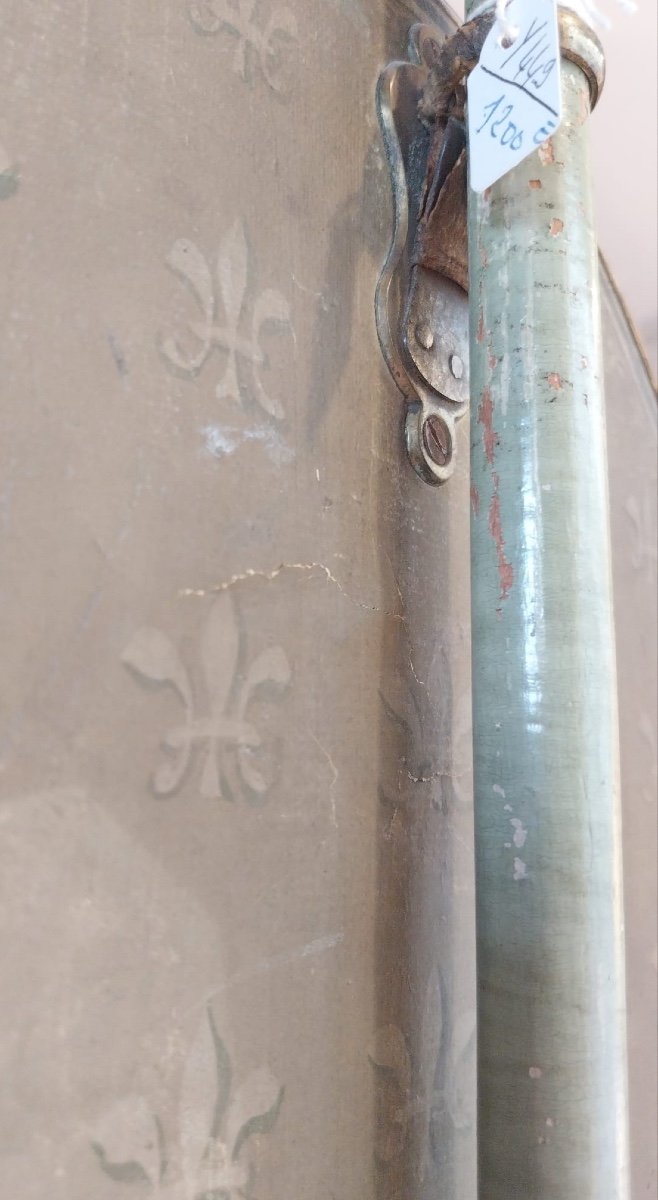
{"x": 270, "y": 39}
{"x": 440, "y": 1081}
{"x": 414, "y": 743}
{"x": 215, "y": 1121}
{"x": 9, "y": 180}
{"x": 224, "y": 323}
{"x": 220, "y": 735}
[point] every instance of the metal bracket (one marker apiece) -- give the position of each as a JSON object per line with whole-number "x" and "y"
{"x": 422, "y": 295}
{"x": 422, "y": 313}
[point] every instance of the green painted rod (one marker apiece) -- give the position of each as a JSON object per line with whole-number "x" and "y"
{"x": 551, "y": 994}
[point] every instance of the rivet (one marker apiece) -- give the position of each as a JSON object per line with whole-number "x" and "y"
{"x": 424, "y": 336}
{"x": 456, "y": 366}
{"x": 436, "y": 440}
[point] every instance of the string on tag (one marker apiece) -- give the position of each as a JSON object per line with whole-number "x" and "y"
{"x": 507, "y": 30}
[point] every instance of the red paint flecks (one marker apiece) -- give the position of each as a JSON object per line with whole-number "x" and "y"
{"x": 479, "y": 337}
{"x": 485, "y": 417}
{"x": 556, "y": 227}
{"x": 505, "y": 568}
{"x": 555, "y": 381}
{"x": 489, "y": 441}
{"x": 535, "y": 184}
{"x": 493, "y": 361}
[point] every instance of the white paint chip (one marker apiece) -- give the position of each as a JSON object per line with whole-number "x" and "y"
{"x": 498, "y": 790}
{"x": 520, "y": 869}
{"x": 222, "y": 440}
{"x": 520, "y": 833}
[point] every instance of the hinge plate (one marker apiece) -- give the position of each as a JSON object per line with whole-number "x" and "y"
{"x": 422, "y": 313}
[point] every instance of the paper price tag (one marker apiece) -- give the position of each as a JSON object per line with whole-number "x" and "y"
{"x": 514, "y": 94}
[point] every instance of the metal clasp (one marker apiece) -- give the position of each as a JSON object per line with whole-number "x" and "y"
{"x": 421, "y": 299}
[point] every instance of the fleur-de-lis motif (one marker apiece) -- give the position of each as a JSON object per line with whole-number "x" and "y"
{"x": 270, "y": 311}
{"x": 214, "y": 1127}
{"x": 412, "y": 759}
{"x": 228, "y": 739}
{"x": 272, "y": 45}
{"x": 439, "y": 1082}
{"x": 8, "y": 175}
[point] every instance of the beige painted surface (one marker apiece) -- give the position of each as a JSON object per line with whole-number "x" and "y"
{"x": 235, "y": 851}
{"x": 625, "y": 163}
{"x": 236, "y": 857}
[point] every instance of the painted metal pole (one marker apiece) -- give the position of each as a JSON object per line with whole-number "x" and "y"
{"x": 552, "y": 1070}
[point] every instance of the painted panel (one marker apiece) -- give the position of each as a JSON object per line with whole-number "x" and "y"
{"x": 236, "y": 878}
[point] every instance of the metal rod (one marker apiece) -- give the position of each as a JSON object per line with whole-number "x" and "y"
{"x": 551, "y": 996}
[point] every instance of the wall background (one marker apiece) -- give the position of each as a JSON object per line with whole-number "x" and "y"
{"x": 624, "y": 135}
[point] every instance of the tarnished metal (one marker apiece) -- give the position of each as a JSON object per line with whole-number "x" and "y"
{"x": 421, "y": 305}
{"x": 459, "y": 54}
{"x": 421, "y": 111}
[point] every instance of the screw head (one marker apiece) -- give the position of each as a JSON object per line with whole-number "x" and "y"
{"x": 436, "y": 440}
{"x": 456, "y": 366}
{"x": 424, "y": 335}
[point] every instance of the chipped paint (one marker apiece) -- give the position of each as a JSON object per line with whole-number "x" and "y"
{"x": 520, "y": 833}
{"x": 475, "y": 500}
{"x": 485, "y": 417}
{"x": 221, "y": 441}
{"x": 538, "y": 300}
{"x": 505, "y": 568}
